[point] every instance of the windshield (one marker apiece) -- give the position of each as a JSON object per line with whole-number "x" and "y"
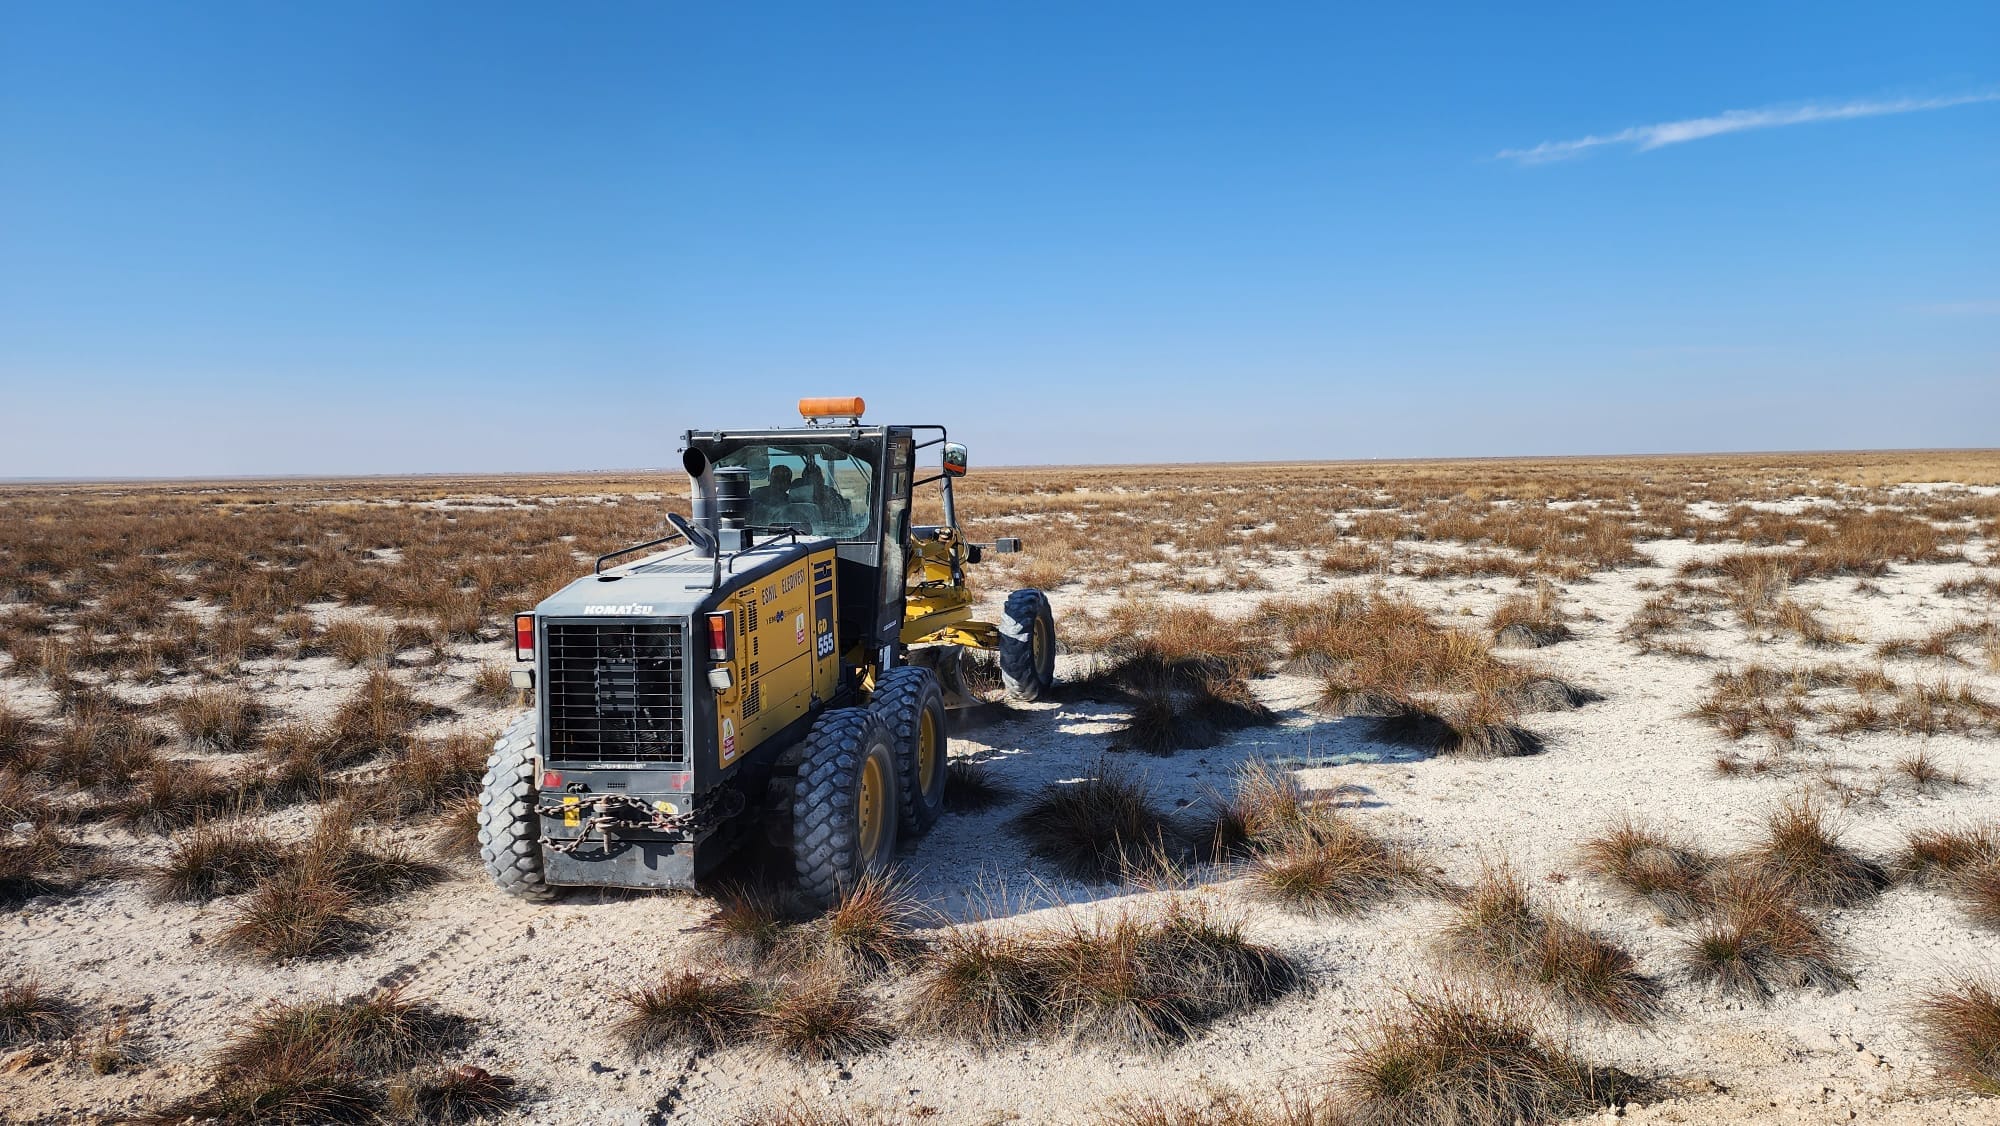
{"x": 819, "y": 489}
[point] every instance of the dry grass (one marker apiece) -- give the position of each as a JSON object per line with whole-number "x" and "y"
{"x": 1480, "y": 726}
{"x": 869, "y": 930}
{"x": 1670, "y": 874}
{"x": 1183, "y": 672}
{"x": 751, "y": 926}
{"x": 311, "y": 906}
{"x": 494, "y": 684}
{"x": 1448, "y": 1059}
{"x": 30, "y": 1012}
{"x": 1314, "y": 860}
{"x": 972, "y": 787}
{"x": 1101, "y": 828}
{"x": 1496, "y": 930}
{"x": 339, "y": 1061}
{"x": 452, "y": 1095}
{"x": 689, "y": 1011}
{"x": 1959, "y": 1021}
{"x": 217, "y": 719}
{"x": 47, "y": 861}
{"x": 1757, "y": 943}
{"x": 1802, "y": 858}
{"x": 456, "y": 836}
{"x": 179, "y": 794}
{"x": 429, "y": 777}
{"x": 216, "y": 860}
{"x": 1143, "y": 977}
{"x": 821, "y": 1017}
{"x": 1529, "y": 621}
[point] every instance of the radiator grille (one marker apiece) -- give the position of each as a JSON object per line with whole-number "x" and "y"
{"x": 615, "y": 693}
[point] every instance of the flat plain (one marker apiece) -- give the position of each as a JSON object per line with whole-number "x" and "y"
{"x": 1454, "y": 791}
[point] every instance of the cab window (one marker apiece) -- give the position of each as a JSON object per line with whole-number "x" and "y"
{"x": 819, "y": 489}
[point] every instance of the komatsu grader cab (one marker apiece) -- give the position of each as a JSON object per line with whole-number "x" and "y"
{"x": 778, "y": 667}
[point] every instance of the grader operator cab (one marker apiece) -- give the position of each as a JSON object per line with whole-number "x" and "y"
{"x": 782, "y": 669}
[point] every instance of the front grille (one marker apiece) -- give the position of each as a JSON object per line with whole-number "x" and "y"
{"x": 615, "y": 693}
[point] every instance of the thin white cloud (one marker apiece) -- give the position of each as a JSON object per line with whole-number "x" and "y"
{"x": 1646, "y": 137}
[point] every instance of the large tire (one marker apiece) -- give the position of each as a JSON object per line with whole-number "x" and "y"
{"x": 911, "y": 702}
{"x": 844, "y": 810}
{"x": 1027, "y": 645}
{"x": 510, "y": 832}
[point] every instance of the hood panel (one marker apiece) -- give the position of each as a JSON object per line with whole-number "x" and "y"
{"x": 670, "y": 584}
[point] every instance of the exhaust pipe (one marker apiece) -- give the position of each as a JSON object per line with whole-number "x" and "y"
{"x": 701, "y": 498}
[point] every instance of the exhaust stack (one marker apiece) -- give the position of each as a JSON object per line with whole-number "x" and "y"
{"x": 701, "y": 497}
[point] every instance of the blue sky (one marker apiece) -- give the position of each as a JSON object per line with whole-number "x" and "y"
{"x": 275, "y": 238}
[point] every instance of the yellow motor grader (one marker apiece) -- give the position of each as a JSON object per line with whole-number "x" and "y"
{"x": 778, "y": 665}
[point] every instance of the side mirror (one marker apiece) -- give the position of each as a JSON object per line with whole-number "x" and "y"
{"x": 954, "y": 459}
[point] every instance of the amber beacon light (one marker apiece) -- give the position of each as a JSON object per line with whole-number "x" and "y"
{"x": 849, "y": 407}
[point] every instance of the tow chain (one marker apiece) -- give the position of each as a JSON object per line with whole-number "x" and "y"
{"x": 608, "y": 813}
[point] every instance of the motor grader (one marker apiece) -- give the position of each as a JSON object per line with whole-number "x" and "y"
{"x": 777, "y": 667}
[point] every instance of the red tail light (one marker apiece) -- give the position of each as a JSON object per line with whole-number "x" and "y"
{"x": 720, "y": 637}
{"x": 524, "y": 637}
{"x": 551, "y": 780}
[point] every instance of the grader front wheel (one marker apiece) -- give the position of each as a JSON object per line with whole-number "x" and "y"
{"x": 1027, "y": 645}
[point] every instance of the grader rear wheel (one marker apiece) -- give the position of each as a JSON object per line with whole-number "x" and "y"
{"x": 844, "y": 807}
{"x": 910, "y": 700}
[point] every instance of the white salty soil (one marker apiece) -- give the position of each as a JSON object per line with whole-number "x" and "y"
{"x": 543, "y": 981}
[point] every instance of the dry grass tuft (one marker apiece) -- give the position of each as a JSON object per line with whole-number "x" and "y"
{"x": 1757, "y": 943}
{"x": 297, "y": 914}
{"x": 689, "y": 1011}
{"x": 821, "y": 1018}
{"x": 456, "y": 836}
{"x": 751, "y": 926}
{"x": 868, "y": 931}
{"x": 1933, "y": 855}
{"x": 1482, "y": 726}
{"x": 46, "y": 861}
{"x": 324, "y": 1061}
{"x": 29, "y": 1012}
{"x": 1529, "y": 621}
{"x": 217, "y": 719}
{"x": 216, "y": 860}
{"x": 427, "y": 778}
{"x": 179, "y": 794}
{"x": 1959, "y": 1020}
{"x": 1496, "y": 929}
{"x": 1144, "y": 978}
{"x": 452, "y": 1095}
{"x": 970, "y": 787}
{"x": 368, "y": 1036}
{"x": 1802, "y": 858}
{"x": 1325, "y": 864}
{"x": 1670, "y": 874}
{"x": 310, "y": 907}
{"x": 494, "y": 684}
{"x": 1464, "y": 1061}
{"x": 1101, "y": 828}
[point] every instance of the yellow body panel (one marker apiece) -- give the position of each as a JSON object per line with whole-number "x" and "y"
{"x": 785, "y": 654}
